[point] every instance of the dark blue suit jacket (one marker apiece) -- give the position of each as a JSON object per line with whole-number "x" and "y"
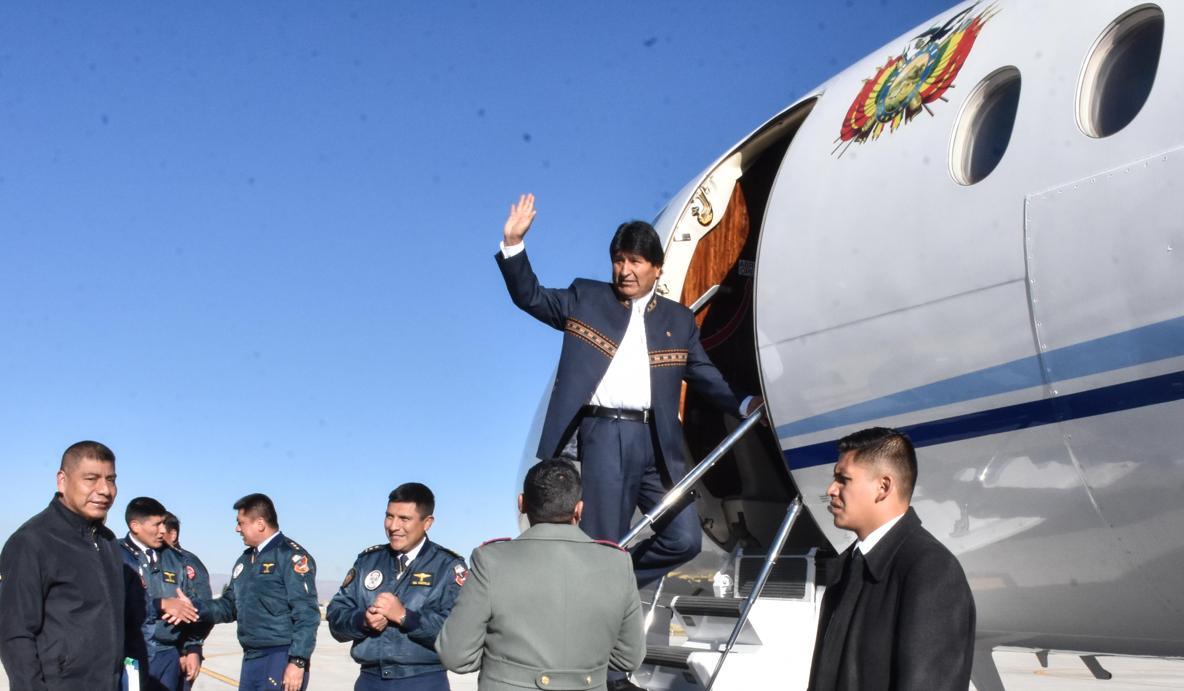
{"x": 593, "y": 321}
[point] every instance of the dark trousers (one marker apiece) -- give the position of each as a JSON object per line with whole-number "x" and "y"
{"x": 432, "y": 681}
{"x": 264, "y": 669}
{"x": 620, "y": 472}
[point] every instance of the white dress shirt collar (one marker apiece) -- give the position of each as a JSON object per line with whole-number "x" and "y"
{"x": 868, "y": 543}
{"x": 414, "y": 551}
{"x": 263, "y": 545}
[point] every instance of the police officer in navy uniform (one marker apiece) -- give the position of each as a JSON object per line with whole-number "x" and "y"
{"x": 197, "y": 578}
{"x": 396, "y": 597}
{"x": 157, "y": 574}
{"x": 273, "y": 595}
{"x": 626, "y": 353}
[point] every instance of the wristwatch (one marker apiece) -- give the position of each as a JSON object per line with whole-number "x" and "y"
{"x": 298, "y": 661}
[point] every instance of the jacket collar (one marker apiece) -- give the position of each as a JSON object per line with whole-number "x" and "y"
{"x": 77, "y": 523}
{"x": 880, "y": 560}
{"x": 554, "y": 531}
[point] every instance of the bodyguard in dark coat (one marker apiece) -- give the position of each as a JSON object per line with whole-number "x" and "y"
{"x": 901, "y": 615}
{"x": 62, "y": 585}
{"x": 626, "y": 353}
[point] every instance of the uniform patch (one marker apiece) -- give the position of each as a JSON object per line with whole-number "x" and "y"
{"x": 349, "y": 578}
{"x": 461, "y": 574}
{"x": 170, "y": 577}
{"x": 373, "y": 579}
{"x": 300, "y": 563}
{"x": 190, "y": 572}
{"x": 238, "y": 569}
{"x": 421, "y": 578}
{"x": 267, "y": 567}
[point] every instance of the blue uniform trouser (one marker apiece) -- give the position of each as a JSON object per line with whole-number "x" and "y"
{"x": 432, "y": 681}
{"x": 263, "y": 669}
{"x": 620, "y": 472}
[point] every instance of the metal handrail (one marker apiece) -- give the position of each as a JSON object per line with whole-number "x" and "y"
{"x": 791, "y": 516}
{"x": 675, "y": 494}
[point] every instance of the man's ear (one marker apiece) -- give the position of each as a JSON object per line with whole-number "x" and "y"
{"x": 885, "y": 487}
{"x": 578, "y": 512}
{"x": 521, "y": 503}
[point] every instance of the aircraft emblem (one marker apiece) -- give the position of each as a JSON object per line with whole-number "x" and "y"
{"x": 904, "y": 85}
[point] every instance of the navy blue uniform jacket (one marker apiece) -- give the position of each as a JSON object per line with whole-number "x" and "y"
{"x": 428, "y": 589}
{"x": 913, "y": 626}
{"x": 148, "y": 584}
{"x": 593, "y": 321}
{"x": 273, "y": 597}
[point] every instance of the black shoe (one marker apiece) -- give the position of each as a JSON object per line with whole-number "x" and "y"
{"x": 623, "y": 685}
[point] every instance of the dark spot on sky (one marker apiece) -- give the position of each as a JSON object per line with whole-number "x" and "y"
{"x": 526, "y": 137}
{"x": 480, "y": 112}
{"x": 546, "y": 163}
{"x": 822, "y": 26}
{"x": 251, "y": 181}
{"x": 103, "y": 118}
{"x": 650, "y": 42}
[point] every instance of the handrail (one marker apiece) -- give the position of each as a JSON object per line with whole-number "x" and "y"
{"x": 791, "y": 516}
{"x": 675, "y": 494}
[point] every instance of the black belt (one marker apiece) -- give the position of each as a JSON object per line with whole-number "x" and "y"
{"x": 617, "y": 413}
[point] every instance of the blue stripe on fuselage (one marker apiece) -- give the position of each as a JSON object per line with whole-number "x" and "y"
{"x": 1108, "y": 399}
{"x": 1135, "y": 347}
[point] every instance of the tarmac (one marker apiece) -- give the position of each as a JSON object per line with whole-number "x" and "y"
{"x": 333, "y": 670}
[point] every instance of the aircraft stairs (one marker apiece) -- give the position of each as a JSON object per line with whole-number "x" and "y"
{"x": 758, "y": 628}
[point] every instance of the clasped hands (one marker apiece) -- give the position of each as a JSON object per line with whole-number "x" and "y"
{"x": 178, "y": 610}
{"x": 387, "y": 609}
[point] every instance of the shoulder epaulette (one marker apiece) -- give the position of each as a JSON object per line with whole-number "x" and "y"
{"x": 610, "y": 543}
{"x": 295, "y": 545}
{"x": 445, "y": 549}
{"x": 496, "y": 539}
{"x": 375, "y": 548}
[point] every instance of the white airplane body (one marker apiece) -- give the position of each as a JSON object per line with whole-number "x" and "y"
{"x": 975, "y": 235}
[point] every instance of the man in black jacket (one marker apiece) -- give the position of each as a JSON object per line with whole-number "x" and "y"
{"x": 901, "y": 615}
{"x": 62, "y": 584}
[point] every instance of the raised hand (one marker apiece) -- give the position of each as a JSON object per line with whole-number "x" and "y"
{"x": 521, "y": 216}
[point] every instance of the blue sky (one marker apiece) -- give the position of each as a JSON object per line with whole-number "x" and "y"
{"x": 249, "y": 245}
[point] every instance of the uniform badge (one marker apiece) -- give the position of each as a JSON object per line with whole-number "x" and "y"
{"x": 238, "y": 568}
{"x": 267, "y": 567}
{"x": 461, "y": 574}
{"x": 190, "y": 572}
{"x": 421, "y": 579}
{"x": 300, "y": 563}
{"x": 170, "y": 577}
{"x": 349, "y": 578}
{"x": 373, "y": 579}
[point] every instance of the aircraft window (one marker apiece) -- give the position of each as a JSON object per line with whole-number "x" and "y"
{"x": 983, "y": 129}
{"x": 1119, "y": 73}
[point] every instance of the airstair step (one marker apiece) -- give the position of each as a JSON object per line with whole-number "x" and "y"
{"x": 708, "y": 606}
{"x": 669, "y": 656}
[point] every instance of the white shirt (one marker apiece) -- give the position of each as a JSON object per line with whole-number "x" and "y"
{"x": 868, "y": 543}
{"x": 626, "y": 382}
{"x": 143, "y": 548}
{"x": 414, "y": 551}
{"x": 263, "y": 545}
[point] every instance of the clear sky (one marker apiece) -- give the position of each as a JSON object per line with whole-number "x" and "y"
{"x": 249, "y": 246}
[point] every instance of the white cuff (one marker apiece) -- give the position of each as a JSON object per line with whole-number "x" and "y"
{"x": 512, "y": 250}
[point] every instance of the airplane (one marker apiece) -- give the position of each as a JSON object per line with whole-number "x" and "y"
{"x": 972, "y": 235}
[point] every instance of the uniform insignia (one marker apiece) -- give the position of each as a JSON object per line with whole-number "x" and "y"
{"x": 143, "y": 582}
{"x": 375, "y": 548}
{"x": 373, "y": 579}
{"x": 421, "y": 578}
{"x": 238, "y": 568}
{"x": 610, "y": 543}
{"x": 300, "y": 563}
{"x": 461, "y": 574}
{"x": 496, "y": 539}
{"x": 266, "y": 567}
{"x": 170, "y": 577}
{"x": 293, "y": 545}
{"x": 349, "y": 578}
{"x": 190, "y": 572}
{"x": 668, "y": 334}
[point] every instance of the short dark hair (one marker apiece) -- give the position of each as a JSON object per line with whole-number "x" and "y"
{"x": 637, "y": 237}
{"x": 171, "y": 522}
{"x": 551, "y": 491}
{"x": 143, "y": 507}
{"x": 84, "y": 450}
{"x": 259, "y": 505}
{"x": 416, "y": 493}
{"x": 885, "y": 445}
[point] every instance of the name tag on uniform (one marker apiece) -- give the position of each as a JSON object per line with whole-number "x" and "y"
{"x": 267, "y": 567}
{"x": 421, "y": 579}
{"x": 170, "y": 577}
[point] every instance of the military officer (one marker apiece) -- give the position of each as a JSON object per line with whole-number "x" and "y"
{"x": 197, "y": 577}
{"x": 395, "y": 598}
{"x": 551, "y": 608}
{"x": 157, "y": 572}
{"x": 273, "y": 595}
